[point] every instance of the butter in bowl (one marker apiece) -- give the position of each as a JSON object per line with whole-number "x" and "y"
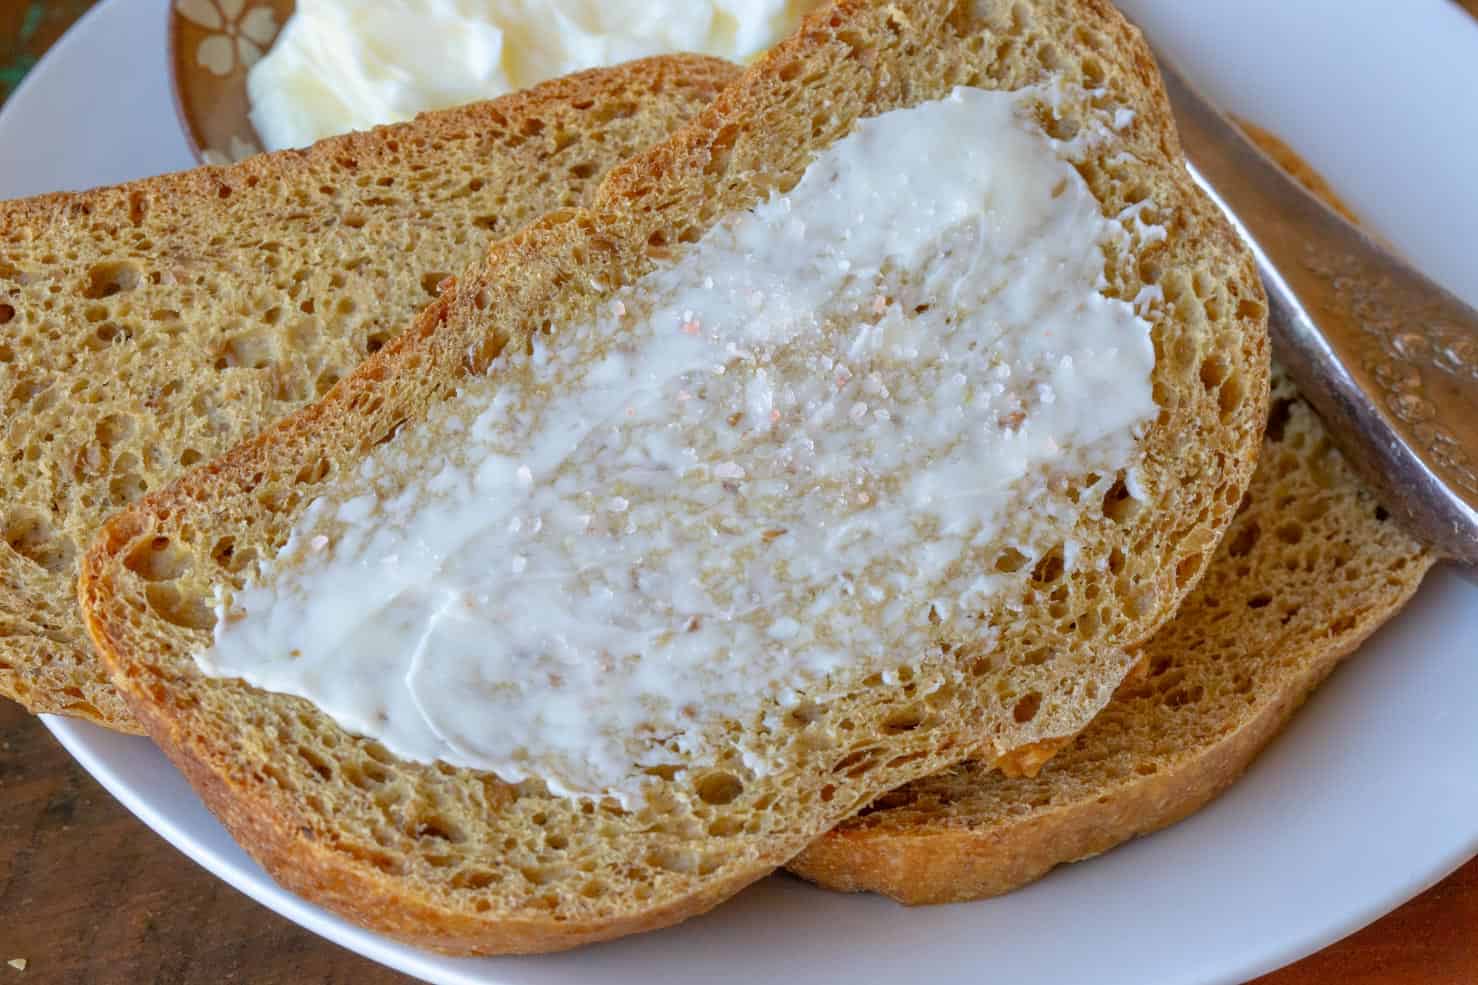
{"x": 253, "y": 75}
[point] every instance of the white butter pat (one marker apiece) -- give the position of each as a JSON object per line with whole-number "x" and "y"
{"x": 639, "y": 530}
{"x": 340, "y": 65}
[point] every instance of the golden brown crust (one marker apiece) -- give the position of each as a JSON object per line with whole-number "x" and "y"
{"x": 465, "y": 863}
{"x": 925, "y": 862}
{"x": 1272, "y": 619}
{"x": 177, "y": 315}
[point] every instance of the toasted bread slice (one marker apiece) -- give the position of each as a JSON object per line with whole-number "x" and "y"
{"x": 151, "y": 326}
{"x": 1309, "y": 569}
{"x": 456, "y": 860}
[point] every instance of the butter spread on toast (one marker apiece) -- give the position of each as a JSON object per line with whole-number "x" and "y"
{"x": 765, "y": 468}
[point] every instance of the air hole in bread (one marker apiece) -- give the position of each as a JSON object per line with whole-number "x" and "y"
{"x": 317, "y": 763}
{"x": 803, "y": 714}
{"x": 1050, "y": 568}
{"x": 1010, "y": 560}
{"x": 157, "y": 559}
{"x": 1037, "y": 657}
{"x": 271, "y": 771}
{"x": 1093, "y": 72}
{"x": 106, "y": 334}
{"x": 718, "y": 788}
{"x": 431, "y": 282}
{"x": 673, "y": 859}
{"x": 439, "y": 826}
{"x": 1026, "y": 707}
{"x": 1214, "y": 370}
{"x": 125, "y": 487}
{"x": 1249, "y": 309}
{"x": 1260, "y": 601}
{"x": 856, "y": 763}
{"x": 1231, "y": 395}
{"x": 1187, "y": 569}
{"x": 30, "y": 534}
{"x": 903, "y": 720}
{"x": 392, "y": 432}
{"x": 1291, "y": 533}
{"x": 1118, "y": 505}
{"x": 114, "y": 429}
{"x": 7, "y": 313}
{"x": 112, "y": 277}
{"x": 224, "y": 554}
{"x": 1182, "y": 696}
{"x": 475, "y": 879}
{"x": 187, "y": 613}
{"x": 726, "y": 827}
{"x": 250, "y": 350}
{"x": 900, "y": 761}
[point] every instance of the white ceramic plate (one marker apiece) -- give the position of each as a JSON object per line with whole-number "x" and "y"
{"x": 1370, "y": 797}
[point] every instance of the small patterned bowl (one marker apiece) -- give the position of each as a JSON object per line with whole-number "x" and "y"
{"x": 212, "y": 43}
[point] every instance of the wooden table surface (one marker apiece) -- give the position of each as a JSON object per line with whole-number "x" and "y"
{"x": 89, "y": 895}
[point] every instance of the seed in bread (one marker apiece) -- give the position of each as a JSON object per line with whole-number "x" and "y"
{"x": 453, "y": 859}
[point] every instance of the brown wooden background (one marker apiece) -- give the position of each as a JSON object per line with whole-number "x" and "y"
{"x": 88, "y": 895}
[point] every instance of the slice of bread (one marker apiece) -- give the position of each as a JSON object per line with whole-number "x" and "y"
{"x": 1309, "y": 569}
{"x": 456, "y": 860}
{"x": 151, "y": 326}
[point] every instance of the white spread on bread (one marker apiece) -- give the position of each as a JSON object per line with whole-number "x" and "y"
{"x": 768, "y": 469}
{"x": 340, "y": 65}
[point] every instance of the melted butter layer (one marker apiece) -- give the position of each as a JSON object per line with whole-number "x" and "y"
{"x": 766, "y": 471}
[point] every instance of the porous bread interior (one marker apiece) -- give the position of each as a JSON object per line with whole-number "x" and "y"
{"x": 1310, "y": 567}
{"x": 455, "y": 860}
{"x": 151, "y": 326}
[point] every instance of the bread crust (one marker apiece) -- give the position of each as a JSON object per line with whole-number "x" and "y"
{"x": 458, "y": 861}
{"x": 151, "y": 387}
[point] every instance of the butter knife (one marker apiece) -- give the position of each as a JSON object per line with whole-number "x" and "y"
{"x": 1387, "y": 357}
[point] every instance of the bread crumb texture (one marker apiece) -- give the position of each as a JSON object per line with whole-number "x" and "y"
{"x": 1310, "y": 567}
{"x": 149, "y": 327}
{"x": 458, "y": 861}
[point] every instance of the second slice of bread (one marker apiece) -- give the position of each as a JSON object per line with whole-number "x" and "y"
{"x": 457, "y": 860}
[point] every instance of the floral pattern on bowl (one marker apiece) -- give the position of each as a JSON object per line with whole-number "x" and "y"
{"x": 213, "y": 44}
